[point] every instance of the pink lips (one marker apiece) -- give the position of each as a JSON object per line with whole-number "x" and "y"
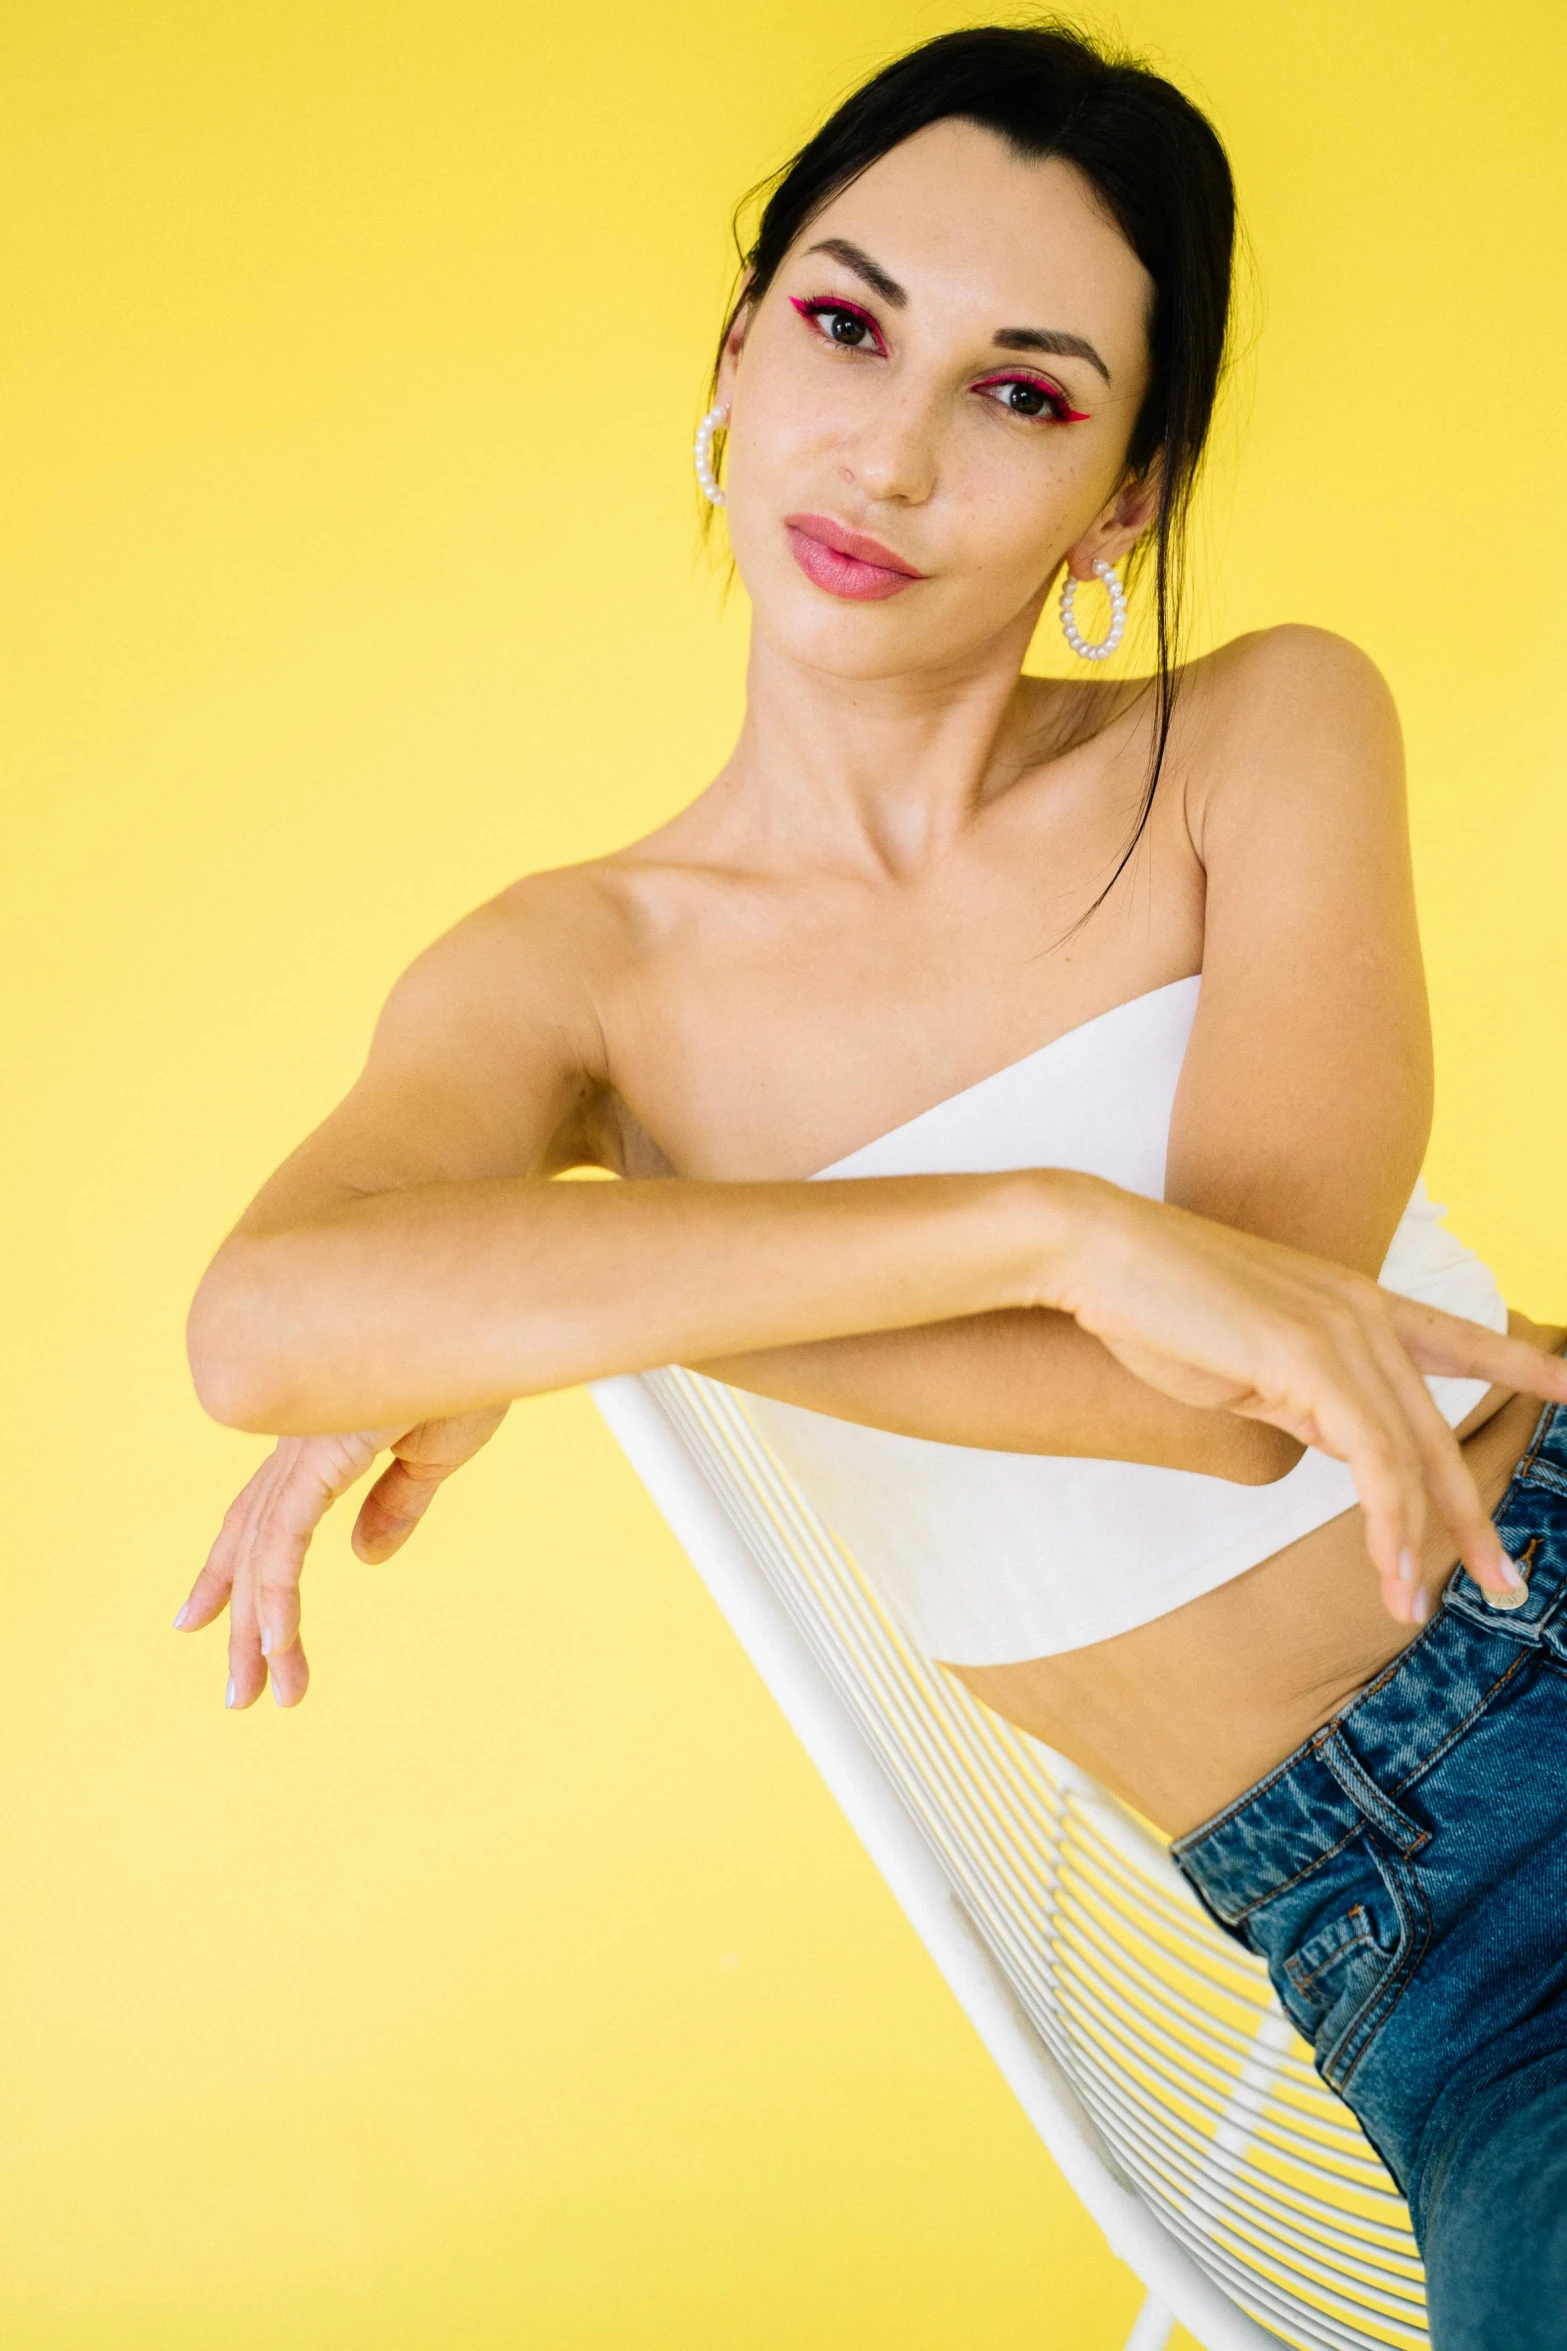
{"x": 845, "y": 562}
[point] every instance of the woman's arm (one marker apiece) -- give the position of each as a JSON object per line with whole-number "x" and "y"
{"x": 411, "y": 1260}
{"x": 405, "y": 1266}
{"x": 360, "y": 1286}
{"x": 1210, "y": 1317}
{"x": 1024, "y": 1380}
{"x": 481, "y": 1081}
{"x": 399, "y": 1268}
{"x": 1305, "y": 1096}
{"x": 448, "y": 1297}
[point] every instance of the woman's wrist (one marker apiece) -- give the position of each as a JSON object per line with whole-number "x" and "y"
{"x": 1067, "y": 1218}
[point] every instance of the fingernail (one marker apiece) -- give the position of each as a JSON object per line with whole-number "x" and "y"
{"x": 180, "y": 1619}
{"x": 266, "y": 1640}
{"x": 1517, "y": 1589}
{"x": 1408, "y": 1567}
{"x": 1421, "y": 1609}
{"x": 231, "y": 1695}
{"x": 277, "y": 1693}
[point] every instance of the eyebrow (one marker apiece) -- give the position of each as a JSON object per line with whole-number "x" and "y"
{"x": 1053, "y": 340}
{"x": 860, "y": 261}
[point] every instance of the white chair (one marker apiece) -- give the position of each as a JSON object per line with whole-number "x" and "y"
{"x": 1146, "y": 2047}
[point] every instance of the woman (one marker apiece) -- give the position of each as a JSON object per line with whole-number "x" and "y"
{"x": 1112, "y": 994}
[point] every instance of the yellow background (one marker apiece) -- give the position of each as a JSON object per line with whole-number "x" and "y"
{"x": 526, "y": 1988}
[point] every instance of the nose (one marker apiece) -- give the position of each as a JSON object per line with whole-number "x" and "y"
{"x": 893, "y": 456}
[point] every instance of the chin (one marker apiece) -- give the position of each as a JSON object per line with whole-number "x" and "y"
{"x": 852, "y": 643}
{"x": 840, "y": 638}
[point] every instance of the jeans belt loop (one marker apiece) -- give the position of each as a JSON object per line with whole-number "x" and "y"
{"x": 1404, "y": 1834}
{"x": 1534, "y": 1625}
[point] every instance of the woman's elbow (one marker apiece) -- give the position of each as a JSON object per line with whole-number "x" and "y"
{"x": 225, "y": 1343}
{"x": 1256, "y": 1453}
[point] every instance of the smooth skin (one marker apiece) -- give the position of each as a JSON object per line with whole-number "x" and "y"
{"x": 875, "y": 904}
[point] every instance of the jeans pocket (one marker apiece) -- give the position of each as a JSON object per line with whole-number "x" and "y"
{"x": 1332, "y": 1954}
{"x": 1325, "y": 1966}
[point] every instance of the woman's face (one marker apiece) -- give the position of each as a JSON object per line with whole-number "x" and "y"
{"x": 949, "y": 364}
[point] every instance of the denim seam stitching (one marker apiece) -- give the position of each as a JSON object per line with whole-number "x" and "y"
{"x": 1309, "y": 1983}
{"x": 1504, "y": 1620}
{"x": 1361, "y": 1820}
{"x": 1181, "y": 1848}
{"x": 1379, "y": 2005}
{"x": 1303, "y": 1979}
{"x": 1418, "y": 1838}
{"x": 1429, "y": 1762}
{"x": 1536, "y": 1442}
{"x": 1193, "y": 1843}
{"x": 1373, "y": 1689}
{"x": 1242, "y": 1803}
{"x": 1359, "y": 1823}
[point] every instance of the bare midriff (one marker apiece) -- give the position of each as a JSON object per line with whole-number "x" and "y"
{"x": 1181, "y": 1716}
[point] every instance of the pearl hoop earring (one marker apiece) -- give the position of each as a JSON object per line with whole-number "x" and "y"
{"x": 1117, "y": 630}
{"x": 714, "y": 422}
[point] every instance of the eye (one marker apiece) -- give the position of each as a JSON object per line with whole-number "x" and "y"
{"x": 841, "y": 323}
{"x": 1027, "y": 395}
{"x": 1025, "y": 399}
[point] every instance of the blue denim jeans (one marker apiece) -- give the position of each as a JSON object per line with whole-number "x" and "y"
{"x": 1404, "y": 1875}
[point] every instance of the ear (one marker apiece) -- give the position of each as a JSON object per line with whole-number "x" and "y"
{"x": 734, "y": 342}
{"x": 1117, "y": 527}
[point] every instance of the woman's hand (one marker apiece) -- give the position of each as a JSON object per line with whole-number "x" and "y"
{"x": 1218, "y": 1318}
{"x": 256, "y": 1562}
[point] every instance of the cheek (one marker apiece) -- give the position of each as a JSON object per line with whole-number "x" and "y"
{"x": 782, "y": 456}
{"x": 1013, "y": 513}
{"x": 791, "y": 414}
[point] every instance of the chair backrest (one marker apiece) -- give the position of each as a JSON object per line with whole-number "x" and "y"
{"x": 1146, "y": 2047}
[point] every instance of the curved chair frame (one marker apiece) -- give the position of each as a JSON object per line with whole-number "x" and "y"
{"x": 1144, "y": 2045}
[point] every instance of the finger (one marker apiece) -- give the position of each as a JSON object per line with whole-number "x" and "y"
{"x": 1391, "y": 1501}
{"x": 1448, "y": 1346}
{"x": 256, "y": 1563}
{"x": 1363, "y": 1418}
{"x": 1451, "y": 1485}
{"x": 1332, "y": 1388}
{"x": 319, "y": 1470}
{"x": 425, "y": 1457}
{"x": 447, "y": 1444}
{"x": 290, "y": 1673}
{"x": 283, "y": 1534}
{"x": 1407, "y": 1402}
{"x": 209, "y": 1594}
{"x": 393, "y": 1508}
{"x": 247, "y": 1668}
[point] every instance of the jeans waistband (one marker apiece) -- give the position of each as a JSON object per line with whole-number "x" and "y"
{"x": 1356, "y": 1766}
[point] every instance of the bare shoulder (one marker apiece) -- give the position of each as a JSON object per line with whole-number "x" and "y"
{"x": 487, "y": 1055}
{"x": 1277, "y": 678}
{"x": 539, "y": 975}
{"x": 526, "y": 969}
{"x": 1292, "y": 715}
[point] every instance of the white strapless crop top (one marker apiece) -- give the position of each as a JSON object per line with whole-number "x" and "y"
{"x": 986, "y": 1558}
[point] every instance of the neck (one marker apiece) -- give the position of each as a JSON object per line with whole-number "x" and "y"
{"x": 884, "y": 772}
